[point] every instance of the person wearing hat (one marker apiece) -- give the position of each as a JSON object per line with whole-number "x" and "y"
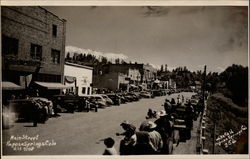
{"x": 129, "y": 140}
{"x": 154, "y": 136}
{"x": 164, "y": 127}
{"x": 143, "y": 144}
{"x": 167, "y": 106}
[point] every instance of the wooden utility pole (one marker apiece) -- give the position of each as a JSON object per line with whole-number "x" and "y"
{"x": 214, "y": 136}
{"x": 204, "y": 84}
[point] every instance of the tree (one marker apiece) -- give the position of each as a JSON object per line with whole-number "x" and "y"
{"x": 161, "y": 68}
{"x": 117, "y": 61}
{"x": 104, "y": 60}
{"x": 68, "y": 56}
{"x": 236, "y": 79}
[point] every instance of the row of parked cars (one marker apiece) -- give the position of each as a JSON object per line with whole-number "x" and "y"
{"x": 21, "y": 109}
{"x": 71, "y": 103}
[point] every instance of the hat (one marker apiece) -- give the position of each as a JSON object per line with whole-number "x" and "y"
{"x": 151, "y": 125}
{"x": 147, "y": 125}
{"x": 162, "y": 113}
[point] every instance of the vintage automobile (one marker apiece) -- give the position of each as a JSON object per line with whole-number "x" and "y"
{"x": 87, "y": 104}
{"x": 66, "y": 103}
{"x": 25, "y": 109}
{"x": 107, "y": 99}
{"x": 97, "y": 100}
{"x": 123, "y": 99}
{"x": 145, "y": 94}
{"x": 129, "y": 98}
{"x": 134, "y": 96}
{"x": 115, "y": 98}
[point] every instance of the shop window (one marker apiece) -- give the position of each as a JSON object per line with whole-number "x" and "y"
{"x": 36, "y": 51}
{"x": 54, "y": 30}
{"x": 83, "y": 90}
{"x": 9, "y": 45}
{"x": 55, "y": 56}
{"x": 88, "y": 90}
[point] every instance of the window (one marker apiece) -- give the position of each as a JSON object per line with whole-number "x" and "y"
{"x": 36, "y": 52}
{"x": 83, "y": 90}
{"x": 55, "y": 56}
{"x": 88, "y": 91}
{"x": 54, "y": 30}
{"x": 9, "y": 46}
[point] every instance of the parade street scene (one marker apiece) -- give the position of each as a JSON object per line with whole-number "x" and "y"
{"x": 124, "y": 80}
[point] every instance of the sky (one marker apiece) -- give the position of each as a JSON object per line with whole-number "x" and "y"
{"x": 176, "y": 36}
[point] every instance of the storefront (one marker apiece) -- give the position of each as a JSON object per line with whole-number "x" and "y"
{"x": 79, "y": 77}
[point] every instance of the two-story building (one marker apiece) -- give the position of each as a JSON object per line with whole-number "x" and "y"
{"x": 33, "y": 46}
{"x": 129, "y": 75}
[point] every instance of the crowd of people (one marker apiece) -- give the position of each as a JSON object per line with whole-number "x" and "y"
{"x": 157, "y": 134}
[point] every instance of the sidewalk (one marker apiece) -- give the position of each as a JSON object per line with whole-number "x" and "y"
{"x": 188, "y": 147}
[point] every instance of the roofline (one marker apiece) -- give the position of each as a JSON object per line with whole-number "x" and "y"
{"x": 76, "y": 65}
{"x": 63, "y": 20}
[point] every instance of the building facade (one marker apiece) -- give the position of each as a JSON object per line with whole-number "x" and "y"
{"x": 129, "y": 75}
{"x": 33, "y": 42}
{"x": 79, "y": 77}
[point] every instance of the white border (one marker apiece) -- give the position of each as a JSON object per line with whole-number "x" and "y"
{"x": 126, "y": 3}
{"x": 132, "y": 3}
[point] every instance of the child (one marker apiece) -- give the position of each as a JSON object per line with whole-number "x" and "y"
{"x": 110, "y": 150}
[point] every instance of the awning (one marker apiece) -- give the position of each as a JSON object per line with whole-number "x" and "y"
{"x": 6, "y": 85}
{"x": 70, "y": 79}
{"x": 50, "y": 85}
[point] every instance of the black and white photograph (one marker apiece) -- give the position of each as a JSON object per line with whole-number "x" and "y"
{"x": 124, "y": 80}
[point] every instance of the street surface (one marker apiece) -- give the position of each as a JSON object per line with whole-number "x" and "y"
{"x": 79, "y": 133}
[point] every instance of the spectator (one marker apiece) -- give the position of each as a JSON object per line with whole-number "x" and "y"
{"x": 167, "y": 106}
{"x": 178, "y": 99}
{"x": 165, "y": 128}
{"x": 151, "y": 114}
{"x": 109, "y": 150}
{"x": 143, "y": 145}
{"x": 129, "y": 141}
{"x": 154, "y": 136}
{"x": 172, "y": 101}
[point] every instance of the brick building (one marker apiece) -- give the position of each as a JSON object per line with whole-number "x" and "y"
{"x": 33, "y": 40}
{"x": 117, "y": 76}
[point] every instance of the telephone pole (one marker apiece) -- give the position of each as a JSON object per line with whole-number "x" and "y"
{"x": 204, "y": 84}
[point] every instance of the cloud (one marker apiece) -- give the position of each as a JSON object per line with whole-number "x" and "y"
{"x": 220, "y": 69}
{"x": 98, "y": 54}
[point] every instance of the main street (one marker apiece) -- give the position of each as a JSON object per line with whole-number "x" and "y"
{"x": 79, "y": 133}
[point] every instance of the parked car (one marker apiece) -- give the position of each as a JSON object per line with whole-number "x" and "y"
{"x": 97, "y": 100}
{"x": 157, "y": 93}
{"x": 123, "y": 99}
{"x": 145, "y": 94}
{"x": 129, "y": 98}
{"x": 87, "y": 104}
{"x": 107, "y": 99}
{"x": 115, "y": 98}
{"x": 49, "y": 104}
{"x": 68, "y": 103}
{"x": 134, "y": 95}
